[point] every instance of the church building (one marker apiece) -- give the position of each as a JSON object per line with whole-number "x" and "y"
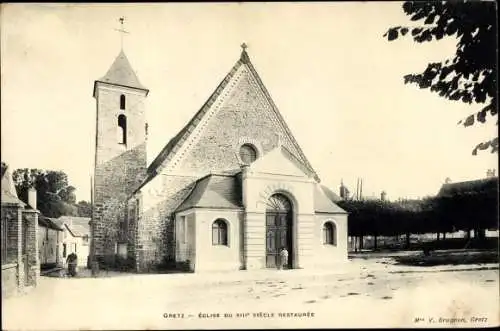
{"x": 227, "y": 192}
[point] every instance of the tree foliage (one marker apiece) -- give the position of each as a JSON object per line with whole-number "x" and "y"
{"x": 55, "y": 197}
{"x": 471, "y": 75}
{"x": 466, "y": 211}
{"x": 84, "y": 209}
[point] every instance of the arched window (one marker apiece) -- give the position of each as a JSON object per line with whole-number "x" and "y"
{"x": 122, "y": 102}
{"x": 122, "y": 129}
{"x": 248, "y": 153}
{"x": 329, "y": 235}
{"x": 219, "y": 232}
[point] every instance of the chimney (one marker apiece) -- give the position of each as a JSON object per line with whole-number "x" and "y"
{"x": 383, "y": 195}
{"x": 32, "y": 197}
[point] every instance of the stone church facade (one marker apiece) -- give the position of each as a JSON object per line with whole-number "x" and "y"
{"x": 227, "y": 192}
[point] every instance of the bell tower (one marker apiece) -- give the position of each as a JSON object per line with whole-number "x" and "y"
{"x": 120, "y": 155}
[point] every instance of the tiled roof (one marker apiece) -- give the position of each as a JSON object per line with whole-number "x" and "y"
{"x": 121, "y": 73}
{"x": 214, "y": 191}
{"x": 168, "y": 152}
{"x": 468, "y": 187}
{"x": 78, "y": 226}
{"x": 323, "y": 204}
{"x": 223, "y": 191}
{"x": 77, "y": 230}
{"x": 50, "y": 223}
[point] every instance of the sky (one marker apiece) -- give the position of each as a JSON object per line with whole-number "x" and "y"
{"x": 336, "y": 80}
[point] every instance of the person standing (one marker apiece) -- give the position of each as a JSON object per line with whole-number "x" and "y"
{"x": 283, "y": 258}
{"x": 72, "y": 260}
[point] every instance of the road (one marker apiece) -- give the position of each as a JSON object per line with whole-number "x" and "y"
{"x": 359, "y": 294}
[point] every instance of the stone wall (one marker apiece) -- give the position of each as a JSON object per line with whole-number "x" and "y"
{"x": 155, "y": 242}
{"x": 31, "y": 256}
{"x": 12, "y": 216}
{"x": 12, "y": 273}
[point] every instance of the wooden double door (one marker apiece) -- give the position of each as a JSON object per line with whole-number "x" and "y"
{"x": 278, "y": 235}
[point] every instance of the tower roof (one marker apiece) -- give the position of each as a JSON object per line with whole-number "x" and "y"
{"x": 121, "y": 73}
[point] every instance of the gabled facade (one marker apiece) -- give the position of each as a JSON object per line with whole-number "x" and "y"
{"x": 230, "y": 190}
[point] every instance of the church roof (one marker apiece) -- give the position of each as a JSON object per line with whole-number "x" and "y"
{"x": 324, "y": 204}
{"x": 214, "y": 191}
{"x": 121, "y": 73}
{"x": 170, "y": 149}
{"x": 224, "y": 192}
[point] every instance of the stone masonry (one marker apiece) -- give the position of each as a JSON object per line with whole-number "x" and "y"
{"x": 216, "y": 149}
{"x": 119, "y": 167}
{"x": 21, "y": 267}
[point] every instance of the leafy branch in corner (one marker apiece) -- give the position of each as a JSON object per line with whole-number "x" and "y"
{"x": 471, "y": 75}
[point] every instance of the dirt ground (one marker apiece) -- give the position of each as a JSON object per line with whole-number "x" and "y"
{"x": 360, "y": 293}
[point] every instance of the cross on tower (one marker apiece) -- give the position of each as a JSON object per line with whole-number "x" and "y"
{"x": 244, "y": 46}
{"x": 121, "y": 30}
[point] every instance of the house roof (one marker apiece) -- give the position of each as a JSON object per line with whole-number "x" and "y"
{"x": 324, "y": 204}
{"x": 214, "y": 191}
{"x": 50, "y": 223}
{"x": 9, "y": 194}
{"x": 77, "y": 226}
{"x": 121, "y": 73}
{"x": 468, "y": 187}
{"x": 170, "y": 149}
{"x": 77, "y": 230}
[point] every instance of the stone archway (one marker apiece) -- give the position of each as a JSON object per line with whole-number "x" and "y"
{"x": 279, "y": 229}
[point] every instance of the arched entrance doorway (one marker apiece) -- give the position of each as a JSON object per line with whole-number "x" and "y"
{"x": 279, "y": 220}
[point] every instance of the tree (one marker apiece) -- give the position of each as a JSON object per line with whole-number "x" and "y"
{"x": 84, "y": 209}
{"x": 55, "y": 197}
{"x": 471, "y": 76}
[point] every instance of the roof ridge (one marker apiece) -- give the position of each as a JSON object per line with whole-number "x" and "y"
{"x": 280, "y": 117}
{"x": 174, "y": 144}
{"x": 166, "y": 151}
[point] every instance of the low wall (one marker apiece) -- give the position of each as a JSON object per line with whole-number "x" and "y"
{"x": 9, "y": 280}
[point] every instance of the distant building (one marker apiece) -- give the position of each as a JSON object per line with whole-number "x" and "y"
{"x": 49, "y": 239}
{"x": 472, "y": 186}
{"x": 344, "y": 191}
{"x": 75, "y": 238}
{"x": 488, "y": 184}
{"x": 20, "y": 264}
